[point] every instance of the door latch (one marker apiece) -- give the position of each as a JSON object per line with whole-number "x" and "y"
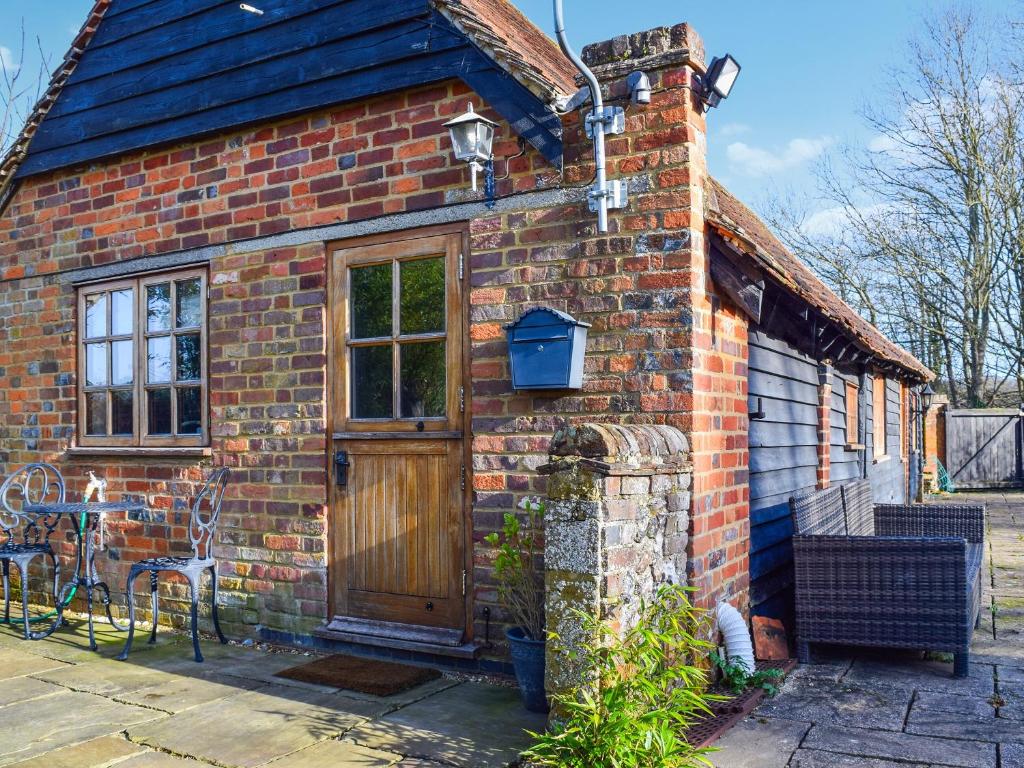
{"x": 341, "y": 465}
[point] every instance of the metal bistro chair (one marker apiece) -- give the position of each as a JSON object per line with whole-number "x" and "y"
{"x": 201, "y": 534}
{"x": 27, "y": 535}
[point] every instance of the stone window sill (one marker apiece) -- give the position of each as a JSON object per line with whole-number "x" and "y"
{"x": 881, "y": 459}
{"x": 855, "y": 446}
{"x": 129, "y": 452}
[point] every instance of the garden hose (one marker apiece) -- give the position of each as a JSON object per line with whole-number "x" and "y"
{"x": 71, "y": 595}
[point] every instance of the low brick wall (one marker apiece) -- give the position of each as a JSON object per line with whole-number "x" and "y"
{"x": 615, "y": 528}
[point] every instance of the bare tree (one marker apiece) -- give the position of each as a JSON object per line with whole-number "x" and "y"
{"x": 929, "y": 218}
{"x": 20, "y": 89}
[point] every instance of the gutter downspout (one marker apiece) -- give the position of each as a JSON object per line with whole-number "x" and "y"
{"x": 596, "y": 119}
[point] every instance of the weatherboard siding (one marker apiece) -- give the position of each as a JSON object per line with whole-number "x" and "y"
{"x": 845, "y": 463}
{"x": 783, "y": 461}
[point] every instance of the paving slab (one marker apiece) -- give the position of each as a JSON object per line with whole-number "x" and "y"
{"x": 922, "y": 675}
{"x": 152, "y": 759}
{"x": 962, "y": 726}
{"x": 182, "y": 692}
{"x": 812, "y": 758}
{"x": 1011, "y": 756}
{"x": 61, "y": 720}
{"x": 759, "y": 742}
{"x": 103, "y": 751}
{"x": 19, "y": 690}
{"x": 15, "y": 662}
{"x": 974, "y": 706}
{"x": 887, "y": 745}
{"x": 470, "y": 725}
{"x": 336, "y": 754}
{"x": 816, "y": 700}
{"x": 253, "y": 728}
{"x": 105, "y": 679}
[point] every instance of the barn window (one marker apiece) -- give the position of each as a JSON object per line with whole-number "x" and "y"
{"x": 878, "y": 411}
{"x": 142, "y": 361}
{"x": 852, "y": 421}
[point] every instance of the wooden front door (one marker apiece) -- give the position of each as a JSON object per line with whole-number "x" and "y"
{"x": 397, "y": 521}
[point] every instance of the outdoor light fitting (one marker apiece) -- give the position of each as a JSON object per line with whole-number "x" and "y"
{"x": 927, "y": 393}
{"x": 719, "y": 80}
{"x": 472, "y": 139}
{"x": 249, "y": 9}
{"x": 639, "y": 88}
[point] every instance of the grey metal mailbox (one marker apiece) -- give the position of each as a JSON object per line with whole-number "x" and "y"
{"x": 546, "y": 349}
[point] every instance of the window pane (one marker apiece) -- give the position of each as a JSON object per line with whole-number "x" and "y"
{"x": 121, "y": 363}
{"x": 189, "y": 418}
{"x": 158, "y": 307}
{"x": 96, "y": 364}
{"x": 422, "y": 304}
{"x": 159, "y": 411}
{"x": 423, "y": 378}
{"x": 121, "y": 412}
{"x": 95, "y": 315}
{"x": 122, "y": 310}
{"x": 158, "y": 357}
{"x": 189, "y": 303}
{"x": 189, "y": 366}
{"x": 371, "y": 382}
{"x": 371, "y": 301}
{"x": 96, "y": 413}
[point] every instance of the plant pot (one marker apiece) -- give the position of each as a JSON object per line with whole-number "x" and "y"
{"x": 528, "y": 661}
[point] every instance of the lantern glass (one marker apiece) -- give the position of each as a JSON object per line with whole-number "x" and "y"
{"x": 472, "y": 136}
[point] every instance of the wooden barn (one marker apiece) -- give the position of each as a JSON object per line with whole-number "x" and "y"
{"x": 244, "y": 240}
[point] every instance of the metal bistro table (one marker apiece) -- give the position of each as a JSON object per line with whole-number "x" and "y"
{"x": 85, "y": 562}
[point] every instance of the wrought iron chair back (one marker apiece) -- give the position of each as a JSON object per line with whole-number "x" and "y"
{"x": 205, "y": 513}
{"x": 32, "y": 484}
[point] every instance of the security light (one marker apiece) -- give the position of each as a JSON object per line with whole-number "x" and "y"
{"x": 250, "y": 9}
{"x": 472, "y": 138}
{"x": 719, "y": 79}
{"x": 639, "y": 88}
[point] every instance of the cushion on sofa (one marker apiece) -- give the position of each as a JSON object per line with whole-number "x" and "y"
{"x": 860, "y": 508}
{"x": 818, "y": 513}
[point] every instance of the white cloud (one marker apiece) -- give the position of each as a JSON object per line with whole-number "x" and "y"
{"x": 833, "y": 222}
{"x": 755, "y": 161}
{"x": 7, "y": 59}
{"x": 730, "y": 130}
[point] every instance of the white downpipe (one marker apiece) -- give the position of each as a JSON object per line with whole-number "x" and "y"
{"x": 738, "y": 647}
{"x": 600, "y": 191}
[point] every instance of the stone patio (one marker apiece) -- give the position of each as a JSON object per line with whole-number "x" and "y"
{"x": 888, "y": 710}
{"x": 63, "y": 706}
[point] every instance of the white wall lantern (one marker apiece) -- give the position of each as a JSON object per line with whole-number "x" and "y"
{"x": 472, "y": 139}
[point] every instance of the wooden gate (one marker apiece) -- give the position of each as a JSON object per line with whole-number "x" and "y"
{"x": 983, "y": 447}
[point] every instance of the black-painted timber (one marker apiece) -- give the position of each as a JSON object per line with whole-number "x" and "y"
{"x": 168, "y": 70}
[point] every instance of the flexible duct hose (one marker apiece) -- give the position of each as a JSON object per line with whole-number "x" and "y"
{"x": 739, "y": 649}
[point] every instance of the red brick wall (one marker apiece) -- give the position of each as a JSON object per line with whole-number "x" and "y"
{"x": 825, "y": 377}
{"x": 657, "y": 352}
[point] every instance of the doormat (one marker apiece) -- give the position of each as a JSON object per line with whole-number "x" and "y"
{"x": 725, "y": 714}
{"x": 355, "y": 673}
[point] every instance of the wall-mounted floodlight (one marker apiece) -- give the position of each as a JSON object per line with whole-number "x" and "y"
{"x": 639, "y": 88}
{"x": 472, "y": 139}
{"x": 719, "y": 80}
{"x": 249, "y": 9}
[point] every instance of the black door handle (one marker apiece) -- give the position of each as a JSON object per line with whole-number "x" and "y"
{"x": 341, "y": 465}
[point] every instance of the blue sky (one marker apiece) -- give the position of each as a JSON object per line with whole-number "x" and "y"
{"x": 808, "y": 67}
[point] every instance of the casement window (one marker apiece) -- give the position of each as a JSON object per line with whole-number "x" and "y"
{"x": 853, "y": 436}
{"x": 878, "y": 411}
{"x": 142, "y": 361}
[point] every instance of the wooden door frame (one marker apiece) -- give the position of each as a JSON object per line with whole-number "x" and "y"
{"x": 455, "y": 228}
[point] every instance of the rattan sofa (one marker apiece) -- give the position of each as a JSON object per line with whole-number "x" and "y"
{"x": 888, "y": 575}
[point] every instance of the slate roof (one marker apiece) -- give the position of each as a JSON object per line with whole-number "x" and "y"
{"x": 733, "y": 219}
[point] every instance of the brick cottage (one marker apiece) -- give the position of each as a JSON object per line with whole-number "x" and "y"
{"x": 242, "y": 240}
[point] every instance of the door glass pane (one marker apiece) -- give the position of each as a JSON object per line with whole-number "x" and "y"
{"x": 422, "y": 296}
{"x": 121, "y": 362}
{"x": 158, "y": 411}
{"x": 121, "y": 412}
{"x": 121, "y": 311}
{"x": 95, "y": 413}
{"x": 158, "y": 357}
{"x": 189, "y": 419}
{"x": 189, "y": 303}
{"x": 371, "y": 301}
{"x": 158, "y": 307}
{"x": 372, "y": 382}
{"x": 95, "y": 365}
{"x": 188, "y": 363}
{"x": 95, "y": 315}
{"x": 423, "y": 379}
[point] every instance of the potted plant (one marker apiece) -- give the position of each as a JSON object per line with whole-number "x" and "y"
{"x": 520, "y": 589}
